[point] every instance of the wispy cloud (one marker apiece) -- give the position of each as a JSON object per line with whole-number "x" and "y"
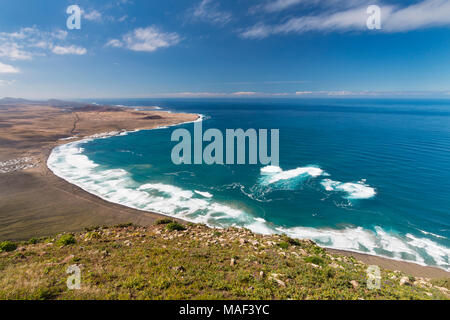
{"x": 6, "y": 82}
{"x": 6, "y": 68}
{"x": 146, "y": 39}
{"x": 69, "y": 50}
{"x": 29, "y": 42}
{"x": 425, "y": 14}
{"x": 209, "y": 11}
{"x": 244, "y": 93}
{"x": 279, "y": 5}
{"x": 92, "y": 15}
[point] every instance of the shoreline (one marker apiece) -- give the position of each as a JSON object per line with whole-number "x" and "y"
{"x": 414, "y": 268}
{"x": 36, "y": 202}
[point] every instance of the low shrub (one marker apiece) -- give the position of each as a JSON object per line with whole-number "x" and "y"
{"x": 7, "y": 246}
{"x": 315, "y": 260}
{"x": 175, "y": 226}
{"x": 163, "y": 221}
{"x": 65, "y": 240}
{"x": 283, "y": 245}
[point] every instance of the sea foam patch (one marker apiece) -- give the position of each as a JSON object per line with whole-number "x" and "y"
{"x": 116, "y": 185}
{"x": 354, "y": 190}
{"x": 274, "y": 174}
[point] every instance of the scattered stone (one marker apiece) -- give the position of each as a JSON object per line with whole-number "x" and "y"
{"x": 336, "y": 266}
{"x": 232, "y": 262}
{"x": 67, "y": 259}
{"x": 274, "y": 276}
{"x": 179, "y": 269}
{"x": 127, "y": 243}
{"x": 404, "y": 281}
{"x": 355, "y": 284}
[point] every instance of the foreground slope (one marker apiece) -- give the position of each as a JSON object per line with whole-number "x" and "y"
{"x": 166, "y": 262}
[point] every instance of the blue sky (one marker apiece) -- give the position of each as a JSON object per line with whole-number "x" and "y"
{"x": 233, "y": 48}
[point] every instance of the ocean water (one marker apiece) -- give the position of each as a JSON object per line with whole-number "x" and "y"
{"x": 371, "y": 176}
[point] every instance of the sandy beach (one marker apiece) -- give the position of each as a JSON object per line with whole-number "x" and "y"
{"x": 34, "y": 202}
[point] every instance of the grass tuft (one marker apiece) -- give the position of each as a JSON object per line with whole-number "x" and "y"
{"x": 7, "y": 246}
{"x": 163, "y": 221}
{"x": 66, "y": 239}
{"x": 175, "y": 226}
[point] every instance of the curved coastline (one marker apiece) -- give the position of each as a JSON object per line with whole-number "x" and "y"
{"x": 279, "y": 229}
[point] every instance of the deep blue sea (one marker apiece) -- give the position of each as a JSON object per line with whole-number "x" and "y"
{"x": 371, "y": 175}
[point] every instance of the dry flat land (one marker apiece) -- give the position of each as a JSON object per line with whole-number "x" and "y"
{"x": 33, "y": 201}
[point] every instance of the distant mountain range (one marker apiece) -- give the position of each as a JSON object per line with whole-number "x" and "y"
{"x": 51, "y": 102}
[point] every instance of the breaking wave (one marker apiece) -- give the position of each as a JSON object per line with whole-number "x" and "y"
{"x": 117, "y": 185}
{"x": 353, "y": 190}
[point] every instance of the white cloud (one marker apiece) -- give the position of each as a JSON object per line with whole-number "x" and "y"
{"x": 244, "y": 93}
{"x": 114, "y": 43}
{"x": 146, "y": 39}
{"x": 69, "y": 50}
{"x": 208, "y": 11}
{"x": 6, "y": 68}
{"x": 279, "y": 5}
{"x": 59, "y": 34}
{"x": 29, "y": 42}
{"x": 428, "y": 13}
{"x": 425, "y": 14}
{"x": 93, "y": 15}
{"x": 14, "y": 51}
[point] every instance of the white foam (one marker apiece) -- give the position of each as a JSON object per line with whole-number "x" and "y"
{"x": 270, "y": 169}
{"x": 354, "y": 190}
{"x": 378, "y": 242}
{"x": 432, "y": 234}
{"x": 204, "y": 194}
{"x": 68, "y": 138}
{"x": 277, "y": 174}
{"x": 117, "y": 186}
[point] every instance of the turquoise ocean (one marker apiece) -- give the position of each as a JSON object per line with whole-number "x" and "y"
{"x": 365, "y": 175}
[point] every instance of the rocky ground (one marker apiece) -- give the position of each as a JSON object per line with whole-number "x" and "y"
{"x": 171, "y": 261}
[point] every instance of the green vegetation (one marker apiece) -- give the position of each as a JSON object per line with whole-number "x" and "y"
{"x": 163, "y": 221}
{"x": 7, "y": 246}
{"x": 130, "y": 262}
{"x": 283, "y": 244}
{"x": 175, "y": 226}
{"x": 65, "y": 240}
{"x": 444, "y": 283}
{"x": 315, "y": 260}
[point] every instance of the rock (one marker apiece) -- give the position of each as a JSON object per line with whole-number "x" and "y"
{"x": 67, "y": 259}
{"x": 355, "y": 284}
{"x": 302, "y": 252}
{"x": 179, "y": 269}
{"x": 281, "y": 283}
{"x": 232, "y": 262}
{"x": 127, "y": 243}
{"x": 336, "y": 266}
{"x": 404, "y": 281}
{"x": 261, "y": 274}
{"x": 274, "y": 277}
